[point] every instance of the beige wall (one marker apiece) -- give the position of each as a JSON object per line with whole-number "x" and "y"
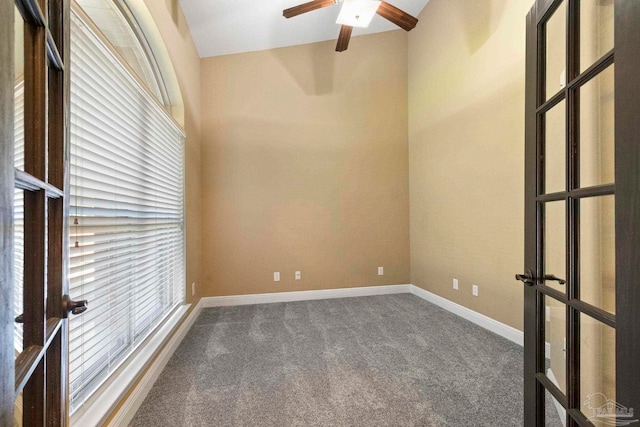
{"x": 466, "y": 151}
{"x": 175, "y": 33}
{"x": 305, "y": 167}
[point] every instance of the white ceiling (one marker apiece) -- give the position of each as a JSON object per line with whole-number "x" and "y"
{"x": 222, "y": 27}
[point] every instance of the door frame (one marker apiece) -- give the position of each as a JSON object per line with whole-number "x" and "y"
{"x": 6, "y": 213}
{"x": 627, "y": 212}
{"x": 627, "y": 158}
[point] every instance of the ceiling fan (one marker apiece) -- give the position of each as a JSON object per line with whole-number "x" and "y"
{"x": 356, "y": 13}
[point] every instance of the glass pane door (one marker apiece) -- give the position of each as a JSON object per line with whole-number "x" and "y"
{"x": 572, "y": 346}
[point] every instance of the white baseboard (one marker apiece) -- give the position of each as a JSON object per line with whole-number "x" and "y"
{"x": 130, "y": 406}
{"x": 304, "y": 295}
{"x": 506, "y": 331}
{"x": 486, "y": 322}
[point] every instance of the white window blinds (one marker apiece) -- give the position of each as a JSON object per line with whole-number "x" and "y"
{"x": 127, "y": 237}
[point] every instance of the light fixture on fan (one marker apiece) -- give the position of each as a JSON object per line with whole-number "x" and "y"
{"x": 356, "y": 13}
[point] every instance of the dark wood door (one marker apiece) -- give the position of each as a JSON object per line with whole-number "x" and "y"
{"x": 34, "y": 192}
{"x": 582, "y": 213}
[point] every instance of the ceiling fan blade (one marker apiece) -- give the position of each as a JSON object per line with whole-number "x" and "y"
{"x": 400, "y": 18}
{"x": 307, "y": 7}
{"x": 343, "y": 38}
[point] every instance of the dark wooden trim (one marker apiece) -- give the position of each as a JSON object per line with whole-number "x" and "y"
{"x": 57, "y": 398}
{"x": 592, "y": 71}
{"x": 578, "y": 193}
{"x": 35, "y": 214}
{"x": 552, "y": 197}
{"x": 577, "y": 419}
{"x": 34, "y": 302}
{"x": 553, "y": 389}
{"x": 598, "y": 190}
{"x": 551, "y": 102}
{"x": 533, "y": 393}
{"x": 573, "y": 357}
{"x": 580, "y": 306}
{"x": 627, "y": 175}
{"x": 7, "y": 353}
{"x": 546, "y": 8}
{"x": 553, "y": 293}
{"x": 572, "y": 126}
{"x": 57, "y": 391}
{"x": 35, "y": 109}
{"x": 599, "y": 314}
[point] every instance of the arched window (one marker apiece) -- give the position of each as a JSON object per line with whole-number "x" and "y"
{"x": 118, "y": 26}
{"x": 126, "y": 254}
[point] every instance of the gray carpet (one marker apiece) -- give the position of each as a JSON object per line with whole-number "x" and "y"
{"x": 393, "y": 360}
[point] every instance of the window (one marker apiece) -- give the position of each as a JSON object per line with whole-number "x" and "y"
{"x": 126, "y": 213}
{"x": 126, "y": 40}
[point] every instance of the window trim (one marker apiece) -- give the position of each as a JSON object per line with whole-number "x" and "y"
{"x": 146, "y": 47}
{"x": 93, "y": 27}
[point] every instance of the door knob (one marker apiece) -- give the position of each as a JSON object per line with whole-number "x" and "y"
{"x": 75, "y": 307}
{"x": 527, "y": 278}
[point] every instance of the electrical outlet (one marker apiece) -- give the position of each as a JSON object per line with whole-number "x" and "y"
{"x": 474, "y": 290}
{"x": 298, "y": 275}
{"x": 193, "y": 288}
{"x": 455, "y": 284}
{"x": 276, "y": 276}
{"x": 380, "y": 271}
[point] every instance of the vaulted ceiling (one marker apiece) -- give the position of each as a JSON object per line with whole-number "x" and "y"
{"x": 235, "y": 26}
